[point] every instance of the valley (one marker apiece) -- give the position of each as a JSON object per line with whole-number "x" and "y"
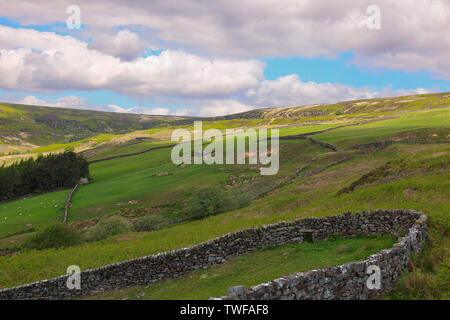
{"x": 358, "y": 155}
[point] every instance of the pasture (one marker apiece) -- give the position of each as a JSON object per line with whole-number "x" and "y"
{"x": 417, "y": 177}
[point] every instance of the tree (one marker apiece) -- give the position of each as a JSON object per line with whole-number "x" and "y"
{"x": 210, "y": 201}
{"x": 44, "y": 173}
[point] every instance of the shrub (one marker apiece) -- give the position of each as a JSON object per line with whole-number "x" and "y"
{"x": 56, "y": 236}
{"x": 107, "y": 228}
{"x": 340, "y": 112}
{"x": 243, "y": 200}
{"x": 209, "y": 201}
{"x": 149, "y": 223}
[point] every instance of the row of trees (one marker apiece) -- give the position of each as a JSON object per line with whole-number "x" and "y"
{"x": 44, "y": 173}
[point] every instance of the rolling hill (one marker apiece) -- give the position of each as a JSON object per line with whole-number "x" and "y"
{"x": 358, "y": 155}
{"x": 366, "y": 107}
{"x": 25, "y": 127}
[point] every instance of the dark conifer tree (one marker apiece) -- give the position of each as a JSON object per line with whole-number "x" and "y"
{"x": 44, "y": 173}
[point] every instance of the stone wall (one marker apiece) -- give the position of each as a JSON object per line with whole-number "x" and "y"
{"x": 344, "y": 282}
{"x": 335, "y": 283}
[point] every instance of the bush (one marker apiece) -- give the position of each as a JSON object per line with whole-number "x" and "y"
{"x": 107, "y": 228}
{"x": 209, "y": 201}
{"x": 149, "y": 223}
{"x": 243, "y": 200}
{"x": 56, "y": 236}
{"x": 339, "y": 112}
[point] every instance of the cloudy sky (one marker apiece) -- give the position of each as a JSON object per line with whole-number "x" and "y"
{"x": 187, "y": 57}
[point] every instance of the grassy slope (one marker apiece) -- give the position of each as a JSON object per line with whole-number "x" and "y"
{"x": 380, "y": 130}
{"x": 44, "y": 125}
{"x": 59, "y": 128}
{"x": 115, "y": 182}
{"x": 39, "y": 211}
{"x": 423, "y": 185}
{"x": 314, "y": 196}
{"x": 115, "y": 150}
{"x": 256, "y": 267}
{"x": 366, "y": 107}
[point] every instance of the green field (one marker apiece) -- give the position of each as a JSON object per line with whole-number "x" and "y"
{"x": 36, "y": 211}
{"x": 380, "y": 130}
{"x": 117, "y": 181}
{"x": 296, "y": 200}
{"x": 411, "y": 173}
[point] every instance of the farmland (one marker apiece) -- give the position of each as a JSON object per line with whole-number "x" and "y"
{"x": 150, "y": 184}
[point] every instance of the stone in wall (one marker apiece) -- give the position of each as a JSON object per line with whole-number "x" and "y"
{"x": 343, "y": 282}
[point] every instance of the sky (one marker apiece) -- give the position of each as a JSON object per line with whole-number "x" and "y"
{"x": 210, "y": 58}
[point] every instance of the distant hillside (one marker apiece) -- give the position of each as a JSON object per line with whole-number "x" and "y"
{"x": 24, "y": 128}
{"x": 367, "y": 107}
{"x": 31, "y": 126}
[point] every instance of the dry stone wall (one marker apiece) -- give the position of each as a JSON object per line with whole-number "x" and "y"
{"x": 343, "y": 282}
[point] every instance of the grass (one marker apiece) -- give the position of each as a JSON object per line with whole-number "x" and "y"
{"x": 101, "y": 138}
{"x": 306, "y": 129}
{"x": 107, "y": 195}
{"x": 256, "y": 267}
{"x": 115, "y": 150}
{"x": 138, "y": 147}
{"x": 427, "y": 277}
{"x": 367, "y": 107}
{"x": 115, "y": 182}
{"x": 47, "y": 126}
{"x": 420, "y": 181}
{"x": 303, "y": 198}
{"x": 13, "y": 241}
{"x": 35, "y": 211}
{"x": 380, "y": 130}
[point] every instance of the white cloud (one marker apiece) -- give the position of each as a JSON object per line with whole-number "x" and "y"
{"x": 75, "y": 102}
{"x": 140, "y": 110}
{"x": 291, "y": 91}
{"x": 44, "y": 61}
{"x": 125, "y": 45}
{"x": 414, "y": 34}
{"x": 211, "y": 108}
{"x": 185, "y": 112}
{"x": 282, "y": 92}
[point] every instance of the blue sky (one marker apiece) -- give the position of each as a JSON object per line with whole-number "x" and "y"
{"x": 342, "y": 70}
{"x": 168, "y": 68}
